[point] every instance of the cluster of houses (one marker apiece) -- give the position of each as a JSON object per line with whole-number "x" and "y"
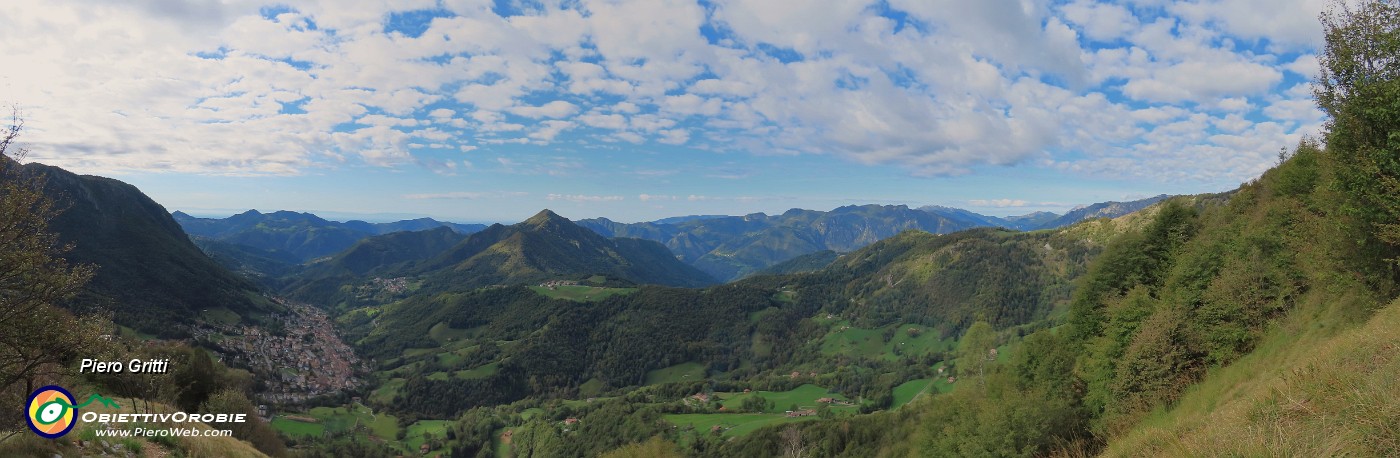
{"x": 394, "y": 285}
{"x": 553, "y": 284}
{"x": 305, "y": 361}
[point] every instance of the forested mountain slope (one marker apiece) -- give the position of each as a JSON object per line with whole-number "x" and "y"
{"x": 1256, "y": 322}
{"x": 148, "y": 273}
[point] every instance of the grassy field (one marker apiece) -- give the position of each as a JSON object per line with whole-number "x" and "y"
{"x": 907, "y": 391}
{"x": 804, "y": 397}
{"x": 501, "y": 447}
{"x": 477, "y": 372}
{"x": 384, "y": 426}
{"x": 415, "y": 436}
{"x": 443, "y": 333}
{"x": 683, "y": 372}
{"x": 219, "y": 315}
{"x": 412, "y": 352}
{"x": 297, "y": 428}
{"x": 582, "y": 293}
{"x": 337, "y": 419}
{"x": 361, "y": 418}
{"x": 591, "y": 388}
{"x": 386, "y": 392}
{"x": 734, "y": 424}
{"x": 530, "y": 413}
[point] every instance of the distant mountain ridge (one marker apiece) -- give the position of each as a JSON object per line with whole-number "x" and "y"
{"x": 1101, "y": 210}
{"x": 548, "y": 245}
{"x": 544, "y": 247}
{"x": 303, "y": 234}
{"x": 723, "y": 247}
{"x": 732, "y": 247}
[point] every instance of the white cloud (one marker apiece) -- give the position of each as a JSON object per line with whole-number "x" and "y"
{"x": 1305, "y": 65}
{"x": 550, "y": 129}
{"x": 1287, "y": 23}
{"x": 1199, "y": 80}
{"x": 1100, "y": 21}
{"x": 674, "y": 136}
{"x": 555, "y": 109}
{"x": 218, "y": 88}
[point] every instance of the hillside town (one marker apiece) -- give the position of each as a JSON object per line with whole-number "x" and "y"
{"x": 302, "y": 360}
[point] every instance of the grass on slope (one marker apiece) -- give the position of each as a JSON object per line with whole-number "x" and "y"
{"x": 909, "y": 390}
{"x": 844, "y": 339}
{"x": 804, "y": 397}
{"x": 297, "y": 426}
{"x": 1311, "y": 388}
{"x": 581, "y": 293}
{"x": 683, "y": 372}
{"x": 733, "y": 424}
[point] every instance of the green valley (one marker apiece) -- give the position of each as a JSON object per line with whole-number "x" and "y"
{"x": 1223, "y": 297}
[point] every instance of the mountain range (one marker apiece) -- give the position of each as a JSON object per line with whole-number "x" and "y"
{"x": 268, "y": 247}
{"x": 304, "y": 235}
{"x": 732, "y": 247}
{"x": 544, "y": 247}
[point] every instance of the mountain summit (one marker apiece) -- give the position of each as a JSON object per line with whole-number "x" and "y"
{"x": 548, "y": 245}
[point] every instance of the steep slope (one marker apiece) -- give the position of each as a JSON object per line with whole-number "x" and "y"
{"x": 266, "y": 267}
{"x": 1327, "y": 384}
{"x": 948, "y": 281}
{"x": 149, "y": 273}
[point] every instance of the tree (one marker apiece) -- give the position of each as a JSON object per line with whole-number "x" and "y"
{"x": 793, "y": 444}
{"x": 976, "y": 349}
{"x": 1359, "y": 88}
{"x": 755, "y": 403}
{"x": 37, "y": 337}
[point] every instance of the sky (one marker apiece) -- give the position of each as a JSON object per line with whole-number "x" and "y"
{"x": 481, "y": 111}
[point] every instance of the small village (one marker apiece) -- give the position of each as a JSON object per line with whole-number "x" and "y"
{"x": 555, "y": 284}
{"x": 376, "y": 285}
{"x": 303, "y": 360}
